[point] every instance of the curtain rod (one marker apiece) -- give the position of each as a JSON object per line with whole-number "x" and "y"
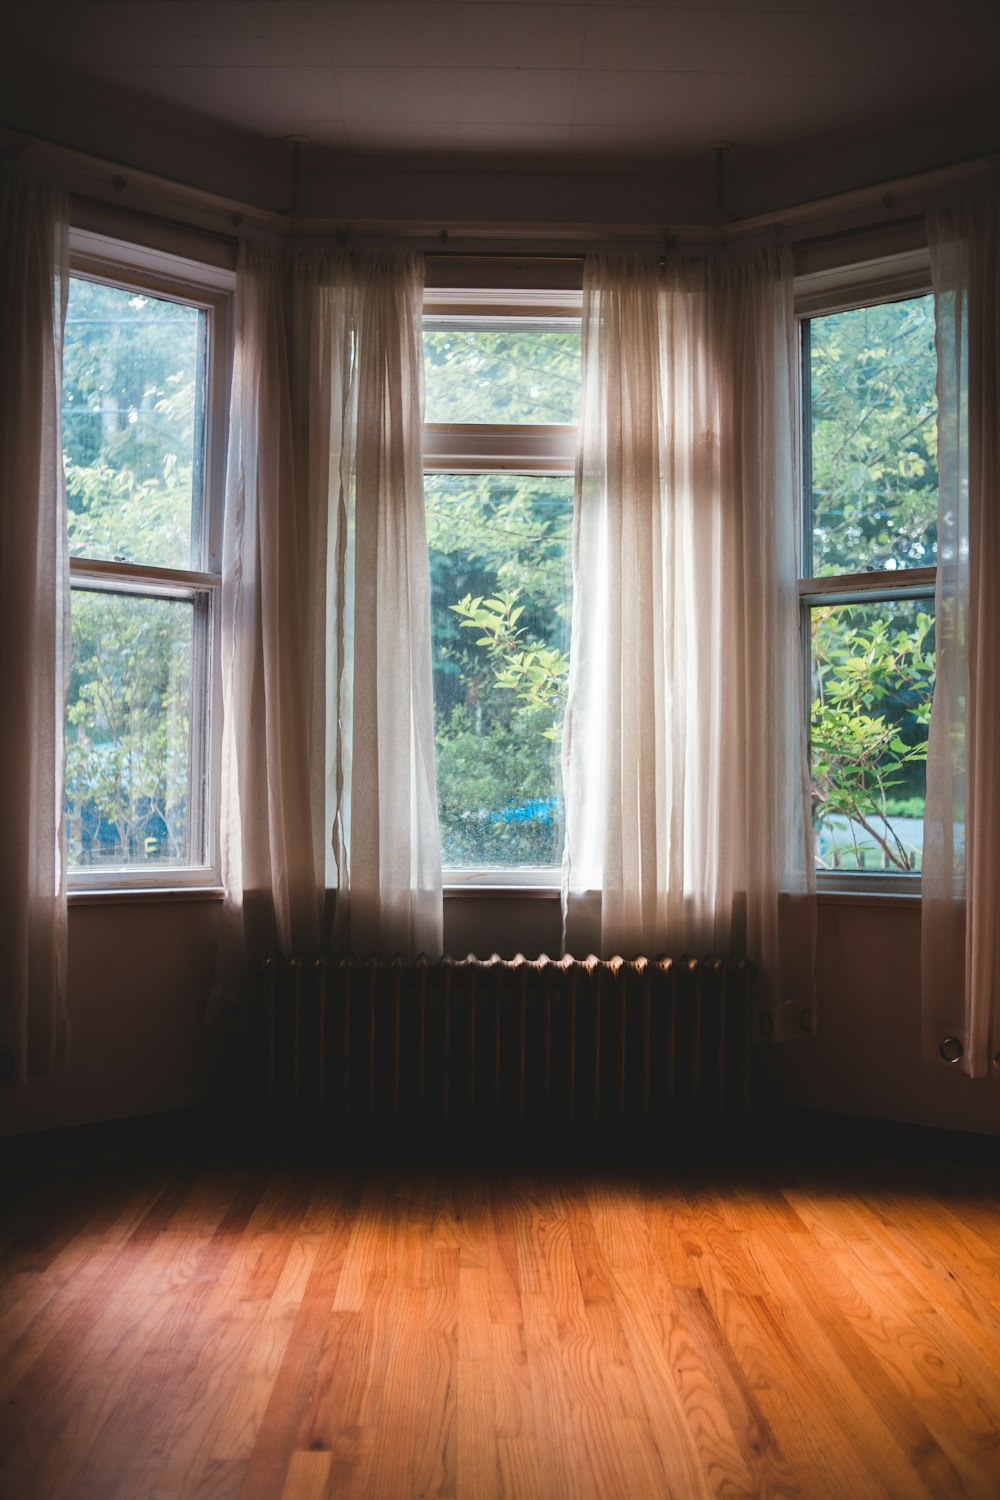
{"x": 502, "y": 255}
{"x": 852, "y": 232}
{"x": 209, "y": 212}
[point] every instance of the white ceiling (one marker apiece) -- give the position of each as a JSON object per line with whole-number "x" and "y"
{"x": 653, "y": 81}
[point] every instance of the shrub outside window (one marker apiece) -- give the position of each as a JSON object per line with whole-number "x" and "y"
{"x": 138, "y": 417}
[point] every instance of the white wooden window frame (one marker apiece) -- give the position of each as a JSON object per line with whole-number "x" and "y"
{"x": 209, "y": 290}
{"x": 893, "y": 278}
{"x": 483, "y": 448}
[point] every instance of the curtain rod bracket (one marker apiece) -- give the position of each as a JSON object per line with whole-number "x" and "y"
{"x": 720, "y": 148}
{"x": 296, "y": 142}
{"x": 669, "y": 244}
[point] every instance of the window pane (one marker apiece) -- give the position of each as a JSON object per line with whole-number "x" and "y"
{"x": 873, "y": 404}
{"x": 129, "y": 783}
{"x": 500, "y": 580}
{"x": 873, "y": 675}
{"x": 133, "y": 404}
{"x": 480, "y": 373}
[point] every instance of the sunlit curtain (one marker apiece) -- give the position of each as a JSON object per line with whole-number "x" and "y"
{"x": 34, "y": 626}
{"x": 961, "y": 858}
{"x": 386, "y": 840}
{"x": 328, "y": 761}
{"x": 684, "y": 755}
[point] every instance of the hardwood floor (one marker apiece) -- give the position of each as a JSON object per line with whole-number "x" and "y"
{"x": 262, "y": 1331}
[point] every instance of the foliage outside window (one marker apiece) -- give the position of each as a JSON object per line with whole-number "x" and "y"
{"x": 499, "y": 517}
{"x": 134, "y": 400}
{"x": 869, "y": 386}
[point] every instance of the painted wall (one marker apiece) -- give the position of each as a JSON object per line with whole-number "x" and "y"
{"x": 866, "y": 1056}
{"x": 140, "y": 976}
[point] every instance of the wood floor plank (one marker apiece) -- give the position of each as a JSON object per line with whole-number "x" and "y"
{"x": 308, "y": 1476}
{"x": 519, "y": 1468}
{"x": 897, "y": 1439}
{"x": 288, "y": 1331}
{"x": 682, "y": 1404}
{"x": 435, "y": 1458}
{"x": 944, "y": 1352}
{"x": 79, "y": 1380}
{"x": 60, "y": 1302}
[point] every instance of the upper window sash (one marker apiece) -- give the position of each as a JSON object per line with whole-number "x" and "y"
{"x": 209, "y": 289}
{"x": 872, "y": 291}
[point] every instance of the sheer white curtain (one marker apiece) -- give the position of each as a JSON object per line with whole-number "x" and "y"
{"x": 684, "y": 757}
{"x": 274, "y": 604}
{"x": 328, "y": 758}
{"x": 386, "y": 840}
{"x": 34, "y": 626}
{"x": 961, "y": 860}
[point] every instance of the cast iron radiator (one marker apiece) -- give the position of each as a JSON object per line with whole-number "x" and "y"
{"x": 493, "y": 1043}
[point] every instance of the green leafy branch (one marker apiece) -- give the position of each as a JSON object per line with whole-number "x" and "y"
{"x": 538, "y": 674}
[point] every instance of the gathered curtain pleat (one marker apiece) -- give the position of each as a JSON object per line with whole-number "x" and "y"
{"x": 274, "y": 601}
{"x": 34, "y": 625}
{"x": 325, "y": 616}
{"x": 684, "y": 758}
{"x": 960, "y": 924}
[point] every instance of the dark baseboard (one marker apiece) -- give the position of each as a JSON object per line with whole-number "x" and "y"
{"x": 817, "y": 1132}
{"x": 789, "y": 1135}
{"x": 105, "y": 1140}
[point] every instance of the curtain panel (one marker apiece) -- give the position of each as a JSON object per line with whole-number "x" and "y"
{"x": 34, "y": 625}
{"x": 326, "y": 616}
{"x": 685, "y": 764}
{"x": 961, "y": 861}
{"x": 386, "y": 843}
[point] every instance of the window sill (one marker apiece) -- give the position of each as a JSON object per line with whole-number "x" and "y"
{"x": 126, "y": 897}
{"x": 860, "y": 897}
{"x": 501, "y": 892}
{"x": 856, "y": 897}
{"x": 129, "y": 895}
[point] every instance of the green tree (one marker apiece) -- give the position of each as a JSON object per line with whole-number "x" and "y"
{"x": 128, "y": 724}
{"x": 502, "y": 538}
{"x": 873, "y": 438}
{"x": 481, "y": 374}
{"x": 874, "y": 485}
